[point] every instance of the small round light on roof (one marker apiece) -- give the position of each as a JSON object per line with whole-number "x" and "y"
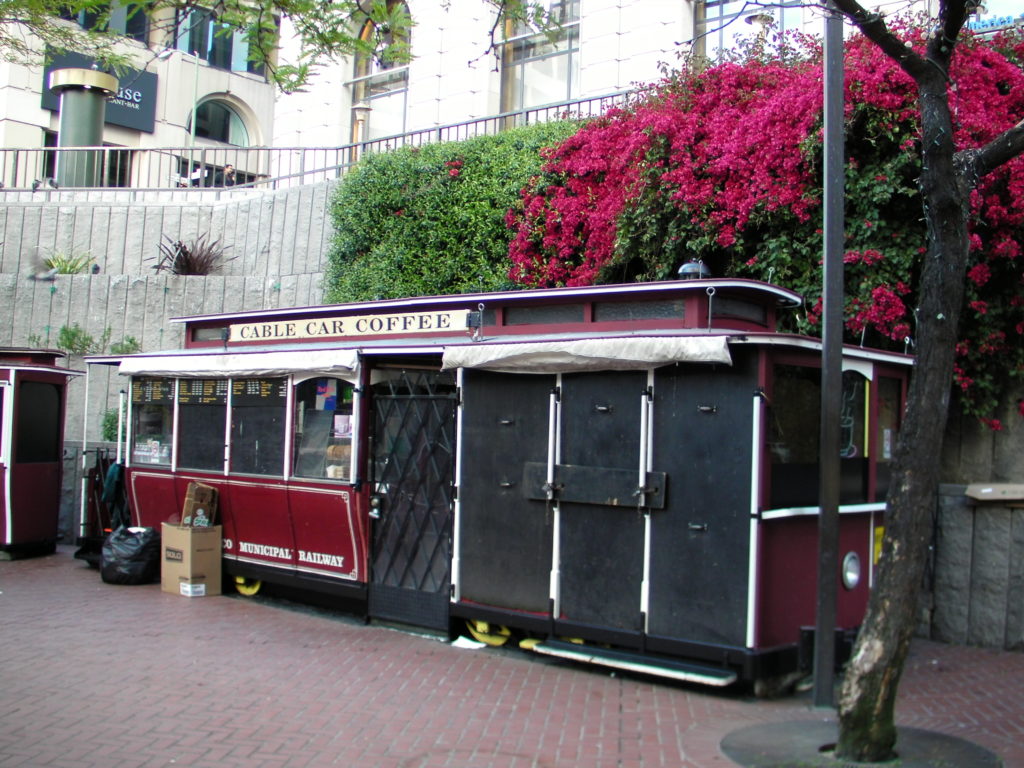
{"x": 694, "y": 269}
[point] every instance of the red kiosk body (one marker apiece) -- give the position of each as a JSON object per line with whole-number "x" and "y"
{"x": 32, "y": 399}
{"x": 633, "y": 467}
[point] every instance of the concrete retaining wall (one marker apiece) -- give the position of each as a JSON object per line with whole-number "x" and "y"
{"x": 267, "y": 234}
{"x": 978, "y": 595}
{"x": 137, "y": 307}
{"x": 276, "y": 245}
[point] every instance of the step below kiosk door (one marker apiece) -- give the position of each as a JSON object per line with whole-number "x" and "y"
{"x": 412, "y": 476}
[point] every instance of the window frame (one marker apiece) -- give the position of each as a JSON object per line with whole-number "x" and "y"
{"x": 514, "y": 68}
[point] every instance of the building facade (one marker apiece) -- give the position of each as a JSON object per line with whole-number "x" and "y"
{"x": 466, "y": 65}
{"x": 185, "y": 66}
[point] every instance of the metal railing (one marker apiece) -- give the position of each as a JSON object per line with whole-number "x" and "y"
{"x": 202, "y": 167}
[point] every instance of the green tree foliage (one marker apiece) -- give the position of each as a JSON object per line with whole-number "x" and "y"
{"x": 325, "y": 31}
{"x": 28, "y": 27}
{"x": 431, "y": 220}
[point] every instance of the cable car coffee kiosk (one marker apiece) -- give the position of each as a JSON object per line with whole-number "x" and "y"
{"x": 32, "y": 398}
{"x": 622, "y": 474}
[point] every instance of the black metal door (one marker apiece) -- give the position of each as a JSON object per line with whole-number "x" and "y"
{"x": 505, "y": 535}
{"x": 700, "y": 542}
{"x": 602, "y": 533}
{"x": 413, "y": 458}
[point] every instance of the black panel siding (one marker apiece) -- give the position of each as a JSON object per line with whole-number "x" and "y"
{"x": 700, "y": 542}
{"x": 602, "y": 547}
{"x": 505, "y": 538}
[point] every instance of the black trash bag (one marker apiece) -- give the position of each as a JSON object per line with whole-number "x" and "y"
{"x": 131, "y": 556}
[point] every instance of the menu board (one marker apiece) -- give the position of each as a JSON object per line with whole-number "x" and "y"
{"x": 160, "y": 391}
{"x": 258, "y": 391}
{"x": 203, "y": 391}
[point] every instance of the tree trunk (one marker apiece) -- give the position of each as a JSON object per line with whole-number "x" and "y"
{"x": 867, "y": 730}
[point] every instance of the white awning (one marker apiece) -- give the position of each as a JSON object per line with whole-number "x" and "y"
{"x": 334, "y": 362}
{"x": 620, "y": 354}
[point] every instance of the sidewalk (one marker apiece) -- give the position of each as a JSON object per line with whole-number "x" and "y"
{"x": 128, "y": 676}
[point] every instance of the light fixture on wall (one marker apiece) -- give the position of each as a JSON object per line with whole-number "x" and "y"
{"x": 360, "y": 127}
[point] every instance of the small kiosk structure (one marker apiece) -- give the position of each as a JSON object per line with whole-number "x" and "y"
{"x": 632, "y": 467}
{"x": 33, "y": 390}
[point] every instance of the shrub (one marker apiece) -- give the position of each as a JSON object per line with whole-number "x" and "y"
{"x": 198, "y": 257}
{"x": 129, "y": 345}
{"x": 68, "y": 263}
{"x": 430, "y": 220}
{"x": 74, "y": 340}
{"x": 725, "y": 165}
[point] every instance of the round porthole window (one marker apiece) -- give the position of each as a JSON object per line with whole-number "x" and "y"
{"x": 851, "y": 570}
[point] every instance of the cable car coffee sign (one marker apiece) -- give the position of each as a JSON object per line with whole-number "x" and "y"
{"x": 353, "y": 325}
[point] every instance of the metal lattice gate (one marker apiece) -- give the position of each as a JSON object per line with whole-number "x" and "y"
{"x": 413, "y": 461}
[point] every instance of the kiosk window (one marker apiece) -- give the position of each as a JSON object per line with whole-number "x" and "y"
{"x": 853, "y": 439}
{"x": 795, "y": 433}
{"x": 257, "y": 426}
{"x": 887, "y": 428}
{"x": 793, "y": 438}
{"x": 38, "y": 436}
{"x": 323, "y": 429}
{"x": 202, "y": 409}
{"x": 152, "y": 420}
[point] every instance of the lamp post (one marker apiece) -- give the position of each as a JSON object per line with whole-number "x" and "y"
{"x": 83, "y": 97}
{"x": 832, "y": 364}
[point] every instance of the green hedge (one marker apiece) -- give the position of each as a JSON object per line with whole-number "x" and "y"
{"x": 431, "y": 220}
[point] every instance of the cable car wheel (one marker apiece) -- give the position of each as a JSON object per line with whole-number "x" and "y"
{"x": 490, "y": 634}
{"x": 246, "y": 586}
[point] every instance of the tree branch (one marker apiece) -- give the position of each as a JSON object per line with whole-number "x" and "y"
{"x": 951, "y": 18}
{"x": 873, "y": 26}
{"x": 975, "y": 163}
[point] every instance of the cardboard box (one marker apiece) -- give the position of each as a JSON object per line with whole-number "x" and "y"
{"x": 190, "y": 562}
{"x": 200, "y": 503}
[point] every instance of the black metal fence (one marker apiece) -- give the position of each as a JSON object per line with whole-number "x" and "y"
{"x": 262, "y": 167}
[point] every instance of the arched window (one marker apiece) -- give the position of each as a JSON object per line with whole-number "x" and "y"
{"x": 380, "y": 83}
{"x": 219, "y": 121}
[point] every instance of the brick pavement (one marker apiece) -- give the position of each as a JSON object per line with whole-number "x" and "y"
{"x": 130, "y": 677}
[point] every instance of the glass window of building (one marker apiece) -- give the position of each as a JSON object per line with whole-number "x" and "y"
{"x": 257, "y": 426}
{"x": 542, "y": 67}
{"x": 128, "y": 19}
{"x": 323, "y": 429}
{"x": 722, "y": 26}
{"x": 218, "y": 121}
{"x": 216, "y": 43}
{"x": 116, "y": 162}
{"x": 152, "y": 420}
{"x": 380, "y": 83}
